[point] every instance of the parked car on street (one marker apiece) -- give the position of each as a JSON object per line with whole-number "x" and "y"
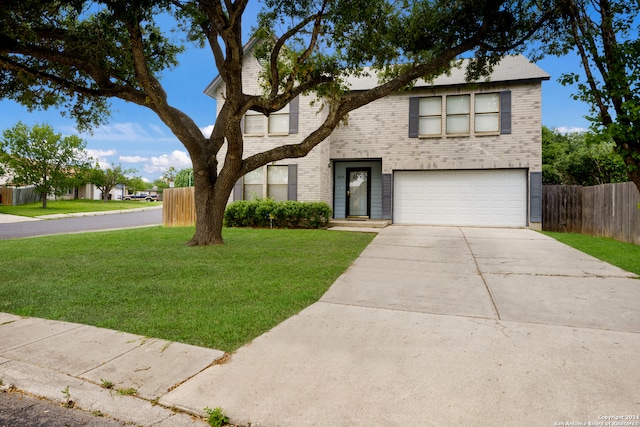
{"x": 140, "y": 197}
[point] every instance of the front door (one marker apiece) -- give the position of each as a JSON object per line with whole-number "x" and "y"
{"x": 358, "y": 189}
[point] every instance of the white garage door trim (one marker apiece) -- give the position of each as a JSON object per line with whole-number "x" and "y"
{"x": 496, "y": 197}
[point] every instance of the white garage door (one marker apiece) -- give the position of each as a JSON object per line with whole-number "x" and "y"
{"x": 477, "y": 198}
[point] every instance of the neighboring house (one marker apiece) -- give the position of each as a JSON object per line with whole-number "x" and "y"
{"x": 442, "y": 153}
{"x": 91, "y": 192}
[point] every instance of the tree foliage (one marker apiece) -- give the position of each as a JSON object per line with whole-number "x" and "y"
{"x": 40, "y": 157}
{"x": 184, "y": 178}
{"x": 78, "y": 54}
{"x": 136, "y": 184}
{"x": 604, "y": 34}
{"x": 580, "y": 158}
{"x": 106, "y": 179}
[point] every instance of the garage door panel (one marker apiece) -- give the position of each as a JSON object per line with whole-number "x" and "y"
{"x": 481, "y": 198}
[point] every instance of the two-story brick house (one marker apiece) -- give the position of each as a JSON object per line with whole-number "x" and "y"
{"x": 442, "y": 153}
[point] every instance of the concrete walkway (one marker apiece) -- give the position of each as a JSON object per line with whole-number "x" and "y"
{"x": 429, "y": 326}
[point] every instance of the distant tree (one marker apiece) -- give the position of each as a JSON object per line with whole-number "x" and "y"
{"x": 136, "y": 184}
{"x": 169, "y": 175}
{"x": 184, "y": 178}
{"x": 580, "y": 158}
{"x": 107, "y": 179}
{"x": 604, "y": 33}
{"x": 160, "y": 185}
{"x": 554, "y": 148}
{"x": 38, "y": 156}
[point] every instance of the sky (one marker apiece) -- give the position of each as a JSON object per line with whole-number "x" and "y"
{"x": 136, "y": 138}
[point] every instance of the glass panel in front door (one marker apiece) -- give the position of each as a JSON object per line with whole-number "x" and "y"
{"x": 358, "y": 192}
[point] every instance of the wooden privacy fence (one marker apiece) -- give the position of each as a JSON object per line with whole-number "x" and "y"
{"x": 608, "y": 210}
{"x": 178, "y": 207}
{"x": 15, "y": 196}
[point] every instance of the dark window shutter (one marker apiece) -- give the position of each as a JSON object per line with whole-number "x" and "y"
{"x": 294, "y": 108}
{"x": 386, "y": 195}
{"x": 237, "y": 190}
{"x": 292, "y": 190}
{"x": 535, "y": 196}
{"x": 414, "y": 112}
{"x": 505, "y": 112}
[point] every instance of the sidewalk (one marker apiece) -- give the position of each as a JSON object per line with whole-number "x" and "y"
{"x": 49, "y": 358}
{"x": 429, "y": 326}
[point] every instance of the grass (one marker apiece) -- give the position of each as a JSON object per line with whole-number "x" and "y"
{"x": 620, "y": 254}
{"x": 72, "y": 206}
{"x": 149, "y": 282}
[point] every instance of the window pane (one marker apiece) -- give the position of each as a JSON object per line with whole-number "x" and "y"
{"x": 252, "y": 191}
{"x": 278, "y": 192}
{"x": 430, "y": 125}
{"x": 253, "y": 123}
{"x": 458, "y": 124}
{"x": 487, "y": 103}
{"x": 279, "y": 123}
{"x": 430, "y": 106}
{"x": 458, "y": 104}
{"x": 278, "y": 174}
{"x": 487, "y": 122}
{"x": 254, "y": 177}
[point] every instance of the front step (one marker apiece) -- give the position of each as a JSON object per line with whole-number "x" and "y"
{"x": 359, "y": 223}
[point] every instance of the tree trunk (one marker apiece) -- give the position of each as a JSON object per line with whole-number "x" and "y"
{"x": 44, "y": 200}
{"x": 211, "y": 196}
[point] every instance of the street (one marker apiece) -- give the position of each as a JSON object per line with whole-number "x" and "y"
{"x": 16, "y": 230}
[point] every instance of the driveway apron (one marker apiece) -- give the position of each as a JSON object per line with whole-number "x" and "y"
{"x": 444, "y": 326}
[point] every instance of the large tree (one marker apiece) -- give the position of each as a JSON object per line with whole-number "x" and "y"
{"x": 604, "y": 34}
{"x": 40, "y": 157}
{"x": 78, "y": 54}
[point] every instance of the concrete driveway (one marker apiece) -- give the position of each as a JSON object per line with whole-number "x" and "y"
{"x": 445, "y": 326}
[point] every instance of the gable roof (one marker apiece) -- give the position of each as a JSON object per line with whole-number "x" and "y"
{"x": 514, "y": 68}
{"x": 510, "y": 69}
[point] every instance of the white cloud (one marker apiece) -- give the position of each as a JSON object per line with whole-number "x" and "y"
{"x": 178, "y": 159}
{"x": 570, "y": 129}
{"x": 132, "y": 132}
{"x": 101, "y": 156}
{"x": 206, "y": 131}
{"x": 100, "y": 153}
{"x": 133, "y": 159}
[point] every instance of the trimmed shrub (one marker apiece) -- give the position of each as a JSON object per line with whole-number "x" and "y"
{"x": 289, "y": 214}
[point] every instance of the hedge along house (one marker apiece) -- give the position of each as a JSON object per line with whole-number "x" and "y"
{"x": 442, "y": 153}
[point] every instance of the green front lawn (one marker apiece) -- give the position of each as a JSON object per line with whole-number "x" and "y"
{"x": 148, "y": 281}
{"x": 72, "y": 206}
{"x": 623, "y": 255}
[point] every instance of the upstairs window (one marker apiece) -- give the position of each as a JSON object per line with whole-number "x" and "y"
{"x": 279, "y": 122}
{"x": 491, "y": 115}
{"x": 487, "y": 113}
{"x": 282, "y": 122}
{"x": 253, "y": 123}
{"x": 430, "y": 111}
{"x": 458, "y": 111}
